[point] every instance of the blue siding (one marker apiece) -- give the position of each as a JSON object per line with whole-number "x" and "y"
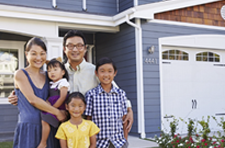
{"x": 104, "y": 7}
{"x": 46, "y": 4}
{"x": 142, "y": 2}
{"x": 121, "y": 48}
{"x": 108, "y": 7}
{"x": 125, "y": 4}
{"x": 151, "y": 33}
{"x": 8, "y": 120}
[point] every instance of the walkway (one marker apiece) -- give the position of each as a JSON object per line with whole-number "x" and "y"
{"x": 136, "y": 142}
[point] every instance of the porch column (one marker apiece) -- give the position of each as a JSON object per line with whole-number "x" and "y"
{"x": 54, "y": 47}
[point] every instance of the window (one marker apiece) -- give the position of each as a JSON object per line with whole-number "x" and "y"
{"x": 208, "y": 57}
{"x": 175, "y": 55}
{"x": 8, "y": 65}
{"x": 11, "y": 59}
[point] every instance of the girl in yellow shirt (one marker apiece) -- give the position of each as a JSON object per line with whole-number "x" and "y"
{"x": 77, "y": 132}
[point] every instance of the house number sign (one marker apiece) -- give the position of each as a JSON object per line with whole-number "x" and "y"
{"x": 151, "y": 60}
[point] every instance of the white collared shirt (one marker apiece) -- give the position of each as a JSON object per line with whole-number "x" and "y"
{"x": 59, "y": 84}
{"x": 84, "y": 79}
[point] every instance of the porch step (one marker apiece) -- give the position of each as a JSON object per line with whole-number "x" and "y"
{"x": 6, "y": 136}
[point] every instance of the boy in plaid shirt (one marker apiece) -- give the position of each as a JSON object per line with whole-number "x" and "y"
{"x": 106, "y": 107}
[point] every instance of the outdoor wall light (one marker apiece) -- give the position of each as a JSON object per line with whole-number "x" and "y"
{"x": 151, "y": 49}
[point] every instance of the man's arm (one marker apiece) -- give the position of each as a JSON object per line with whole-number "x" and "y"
{"x": 12, "y": 98}
{"x": 125, "y": 131}
{"x": 129, "y": 119}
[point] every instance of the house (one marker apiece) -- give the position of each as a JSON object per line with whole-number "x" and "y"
{"x": 170, "y": 53}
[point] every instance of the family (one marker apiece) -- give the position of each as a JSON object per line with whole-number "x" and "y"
{"x": 52, "y": 105}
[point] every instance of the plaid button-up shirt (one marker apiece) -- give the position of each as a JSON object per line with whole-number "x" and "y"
{"x": 107, "y": 111}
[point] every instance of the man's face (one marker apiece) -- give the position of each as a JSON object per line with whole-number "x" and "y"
{"x": 77, "y": 53}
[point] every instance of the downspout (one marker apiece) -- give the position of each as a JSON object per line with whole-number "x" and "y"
{"x": 135, "y": 3}
{"x": 54, "y": 3}
{"x": 84, "y": 5}
{"x": 139, "y": 74}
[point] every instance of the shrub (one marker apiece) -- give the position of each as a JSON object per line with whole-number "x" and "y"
{"x": 195, "y": 138}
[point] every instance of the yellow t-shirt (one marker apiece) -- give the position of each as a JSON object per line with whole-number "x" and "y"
{"x": 77, "y": 137}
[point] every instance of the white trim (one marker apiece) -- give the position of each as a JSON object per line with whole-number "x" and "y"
{"x": 89, "y": 53}
{"x": 13, "y": 45}
{"x": 186, "y": 24}
{"x": 89, "y": 27}
{"x": 139, "y": 74}
{"x": 161, "y": 82}
{"x": 206, "y": 41}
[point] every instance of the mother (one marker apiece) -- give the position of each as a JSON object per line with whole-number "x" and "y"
{"x": 32, "y": 86}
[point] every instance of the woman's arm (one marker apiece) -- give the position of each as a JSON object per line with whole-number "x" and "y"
{"x": 62, "y": 98}
{"x": 63, "y": 143}
{"x": 125, "y": 130}
{"x": 22, "y": 82}
{"x": 92, "y": 141}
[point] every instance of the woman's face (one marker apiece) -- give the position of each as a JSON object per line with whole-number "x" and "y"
{"x": 36, "y": 56}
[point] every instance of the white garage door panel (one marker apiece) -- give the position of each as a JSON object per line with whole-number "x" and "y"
{"x": 185, "y": 81}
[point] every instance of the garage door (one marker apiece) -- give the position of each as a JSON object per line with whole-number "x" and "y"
{"x": 193, "y": 84}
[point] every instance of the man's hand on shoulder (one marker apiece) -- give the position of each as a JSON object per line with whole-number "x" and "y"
{"x": 12, "y": 98}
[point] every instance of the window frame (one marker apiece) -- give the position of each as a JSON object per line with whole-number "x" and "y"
{"x": 18, "y": 45}
{"x": 208, "y": 56}
{"x": 170, "y": 50}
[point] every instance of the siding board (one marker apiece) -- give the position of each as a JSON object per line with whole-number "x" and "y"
{"x": 104, "y": 7}
{"x": 8, "y": 117}
{"x": 125, "y": 4}
{"x": 142, "y": 2}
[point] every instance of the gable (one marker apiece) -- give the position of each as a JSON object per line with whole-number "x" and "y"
{"x": 207, "y": 14}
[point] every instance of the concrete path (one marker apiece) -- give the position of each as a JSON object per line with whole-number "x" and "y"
{"x": 136, "y": 142}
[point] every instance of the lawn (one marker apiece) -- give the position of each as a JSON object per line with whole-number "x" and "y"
{"x": 6, "y": 144}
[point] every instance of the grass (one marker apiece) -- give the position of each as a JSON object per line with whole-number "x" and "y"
{"x": 6, "y": 144}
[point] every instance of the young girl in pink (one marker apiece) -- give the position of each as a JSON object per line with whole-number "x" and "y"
{"x": 59, "y": 88}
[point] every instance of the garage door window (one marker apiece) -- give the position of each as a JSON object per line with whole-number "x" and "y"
{"x": 208, "y": 57}
{"x": 175, "y": 55}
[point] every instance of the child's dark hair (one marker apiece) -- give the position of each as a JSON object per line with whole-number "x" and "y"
{"x": 55, "y": 63}
{"x": 75, "y": 95}
{"x": 105, "y": 60}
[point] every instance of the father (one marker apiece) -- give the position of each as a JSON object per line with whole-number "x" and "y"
{"x": 81, "y": 73}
